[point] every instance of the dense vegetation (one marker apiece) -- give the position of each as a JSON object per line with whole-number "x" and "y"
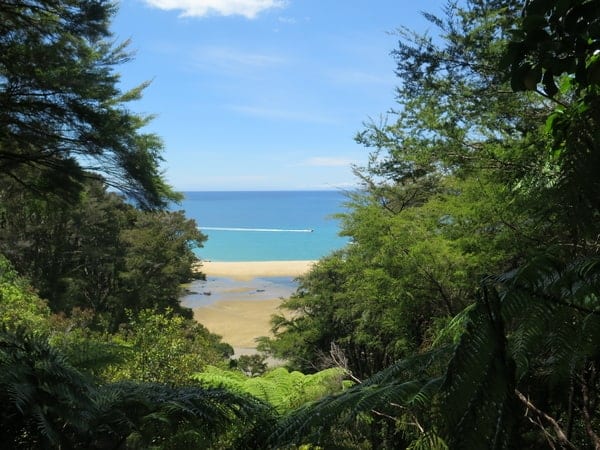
{"x": 468, "y": 301}
{"x": 465, "y": 313}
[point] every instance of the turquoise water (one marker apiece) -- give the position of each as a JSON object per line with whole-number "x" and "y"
{"x": 266, "y": 226}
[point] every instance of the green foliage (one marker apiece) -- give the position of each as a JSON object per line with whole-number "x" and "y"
{"x": 555, "y": 39}
{"x": 67, "y": 141}
{"x": 449, "y": 196}
{"x": 88, "y": 350}
{"x": 63, "y": 115}
{"x": 467, "y": 181}
{"x": 282, "y": 389}
{"x": 45, "y": 402}
{"x": 49, "y": 404}
{"x": 406, "y": 273}
{"x": 478, "y": 402}
{"x": 99, "y": 253}
{"x": 399, "y": 395}
{"x": 158, "y": 258}
{"x": 19, "y": 304}
{"x": 556, "y": 45}
{"x": 157, "y": 416}
{"x": 251, "y": 365}
{"x": 165, "y": 348}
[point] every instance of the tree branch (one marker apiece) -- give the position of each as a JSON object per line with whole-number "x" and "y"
{"x": 560, "y": 434}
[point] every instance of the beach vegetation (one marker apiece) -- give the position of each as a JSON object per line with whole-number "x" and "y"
{"x": 464, "y": 315}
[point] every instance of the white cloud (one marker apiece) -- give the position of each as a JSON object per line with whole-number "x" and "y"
{"x": 325, "y": 161}
{"x": 226, "y": 58}
{"x": 288, "y": 20}
{"x": 201, "y": 8}
{"x": 281, "y": 114}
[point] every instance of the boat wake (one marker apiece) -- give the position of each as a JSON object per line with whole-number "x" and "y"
{"x": 263, "y": 230}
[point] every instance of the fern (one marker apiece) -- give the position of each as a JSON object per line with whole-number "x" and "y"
{"x": 406, "y": 387}
{"x": 46, "y": 402}
{"x": 282, "y": 389}
{"x": 148, "y": 413}
{"x": 552, "y": 318}
{"x": 552, "y": 308}
{"x": 478, "y": 391}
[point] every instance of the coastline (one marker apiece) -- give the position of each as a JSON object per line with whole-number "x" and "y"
{"x": 247, "y": 270}
{"x": 240, "y": 321}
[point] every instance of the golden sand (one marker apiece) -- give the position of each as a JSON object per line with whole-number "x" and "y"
{"x": 244, "y": 271}
{"x": 240, "y": 322}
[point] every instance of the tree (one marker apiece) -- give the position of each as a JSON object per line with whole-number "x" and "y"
{"x": 62, "y": 116}
{"x": 158, "y": 259}
{"x": 49, "y": 404}
{"x": 440, "y": 208}
{"x": 100, "y": 252}
{"x": 555, "y": 52}
{"x": 522, "y": 369}
{"x": 165, "y": 348}
{"x": 19, "y": 304}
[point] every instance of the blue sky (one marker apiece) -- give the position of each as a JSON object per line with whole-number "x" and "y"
{"x": 263, "y": 94}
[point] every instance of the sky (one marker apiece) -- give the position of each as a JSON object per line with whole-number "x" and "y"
{"x": 263, "y": 94}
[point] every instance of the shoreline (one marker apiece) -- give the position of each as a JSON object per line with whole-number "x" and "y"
{"x": 247, "y": 270}
{"x": 240, "y": 321}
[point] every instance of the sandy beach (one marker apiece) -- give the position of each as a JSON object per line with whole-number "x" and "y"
{"x": 248, "y": 270}
{"x": 241, "y": 321}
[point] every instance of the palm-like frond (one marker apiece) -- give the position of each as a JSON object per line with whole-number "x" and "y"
{"x": 46, "y": 402}
{"x": 280, "y": 388}
{"x": 478, "y": 392}
{"x": 403, "y": 388}
{"x": 546, "y": 319}
{"x": 151, "y": 413}
{"x": 553, "y": 310}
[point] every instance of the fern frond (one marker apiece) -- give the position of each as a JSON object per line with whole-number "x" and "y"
{"x": 404, "y": 386}
{"x": 149, "y": 412}
{"x": 45, "y": 400}
{"x": 478, "y": 392}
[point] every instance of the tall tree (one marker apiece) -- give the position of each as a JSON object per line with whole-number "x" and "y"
{"x": 100, "y": 252}
{"x": 62, "y": 115}
{"x": 524, "y": 362}
{"x": 440, "y": 207}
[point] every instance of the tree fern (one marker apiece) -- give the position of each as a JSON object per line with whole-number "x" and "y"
{"x": 46, "y": 402}
{"x": 478, "y": 404}
{"x": 554, "y": 310}
{"x": 402, "y": 391}
{"x": 146, "y": 414}
{"x": 546, "y": 319}
{"x": 280, "y": 388}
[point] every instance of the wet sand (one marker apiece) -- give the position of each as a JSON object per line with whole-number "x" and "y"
{"x": 241, "y": 321}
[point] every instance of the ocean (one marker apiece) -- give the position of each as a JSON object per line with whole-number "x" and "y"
{"x": 266, "y": 225}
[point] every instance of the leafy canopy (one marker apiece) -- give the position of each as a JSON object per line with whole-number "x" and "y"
{"x": 62, "y": 114}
